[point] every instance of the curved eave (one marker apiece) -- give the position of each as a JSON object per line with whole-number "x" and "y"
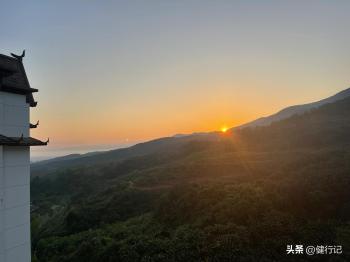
{"x": 20, "y": 141}
{"x": 18, "y": 90}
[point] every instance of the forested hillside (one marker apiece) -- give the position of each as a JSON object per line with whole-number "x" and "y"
{"x": 240, "y": 196}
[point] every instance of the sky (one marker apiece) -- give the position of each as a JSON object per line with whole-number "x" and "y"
{"x": 113, "y": 73}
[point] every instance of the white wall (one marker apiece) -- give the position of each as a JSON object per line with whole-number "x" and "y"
{"x": 14, "y": 115}
{"x": 14, "y": 181}
{"x": 15, "y": 204}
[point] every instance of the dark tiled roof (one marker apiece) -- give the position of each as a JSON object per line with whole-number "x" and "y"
{"x": 13, "y": 78}
{"x": 20, "y": 141}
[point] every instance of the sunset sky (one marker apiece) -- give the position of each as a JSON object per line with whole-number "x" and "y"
{"x": 113, "y": 73}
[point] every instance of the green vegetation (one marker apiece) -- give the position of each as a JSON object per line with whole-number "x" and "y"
{"x": 238, "y": 197}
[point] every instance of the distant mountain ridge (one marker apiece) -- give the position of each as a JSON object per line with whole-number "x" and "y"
{"x": 68, "y": 157}
{"x": 156, "y": 146}
{"x": 293, "y": 110}
{"x": 162, "y": 145}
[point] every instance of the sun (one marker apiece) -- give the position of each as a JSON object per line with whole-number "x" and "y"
{"x": 224, "y": 129}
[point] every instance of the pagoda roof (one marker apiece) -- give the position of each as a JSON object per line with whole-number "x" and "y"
{"x": 13, "y": 78}
{"x": 20, "y": 141}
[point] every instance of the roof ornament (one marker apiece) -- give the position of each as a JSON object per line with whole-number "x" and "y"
{"x": 34, "y": 125}
{"x": 19, "y": 57}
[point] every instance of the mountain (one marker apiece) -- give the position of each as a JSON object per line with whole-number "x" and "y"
{"x": 169, "y": 144}
{"x": 215, "y": 197}
{"x": 297, "y": 109}
{"x": 157, "y": 146}
{"x": 164, "y": 145}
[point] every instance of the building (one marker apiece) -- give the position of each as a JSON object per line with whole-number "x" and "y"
{"x": 16, "y": 98}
